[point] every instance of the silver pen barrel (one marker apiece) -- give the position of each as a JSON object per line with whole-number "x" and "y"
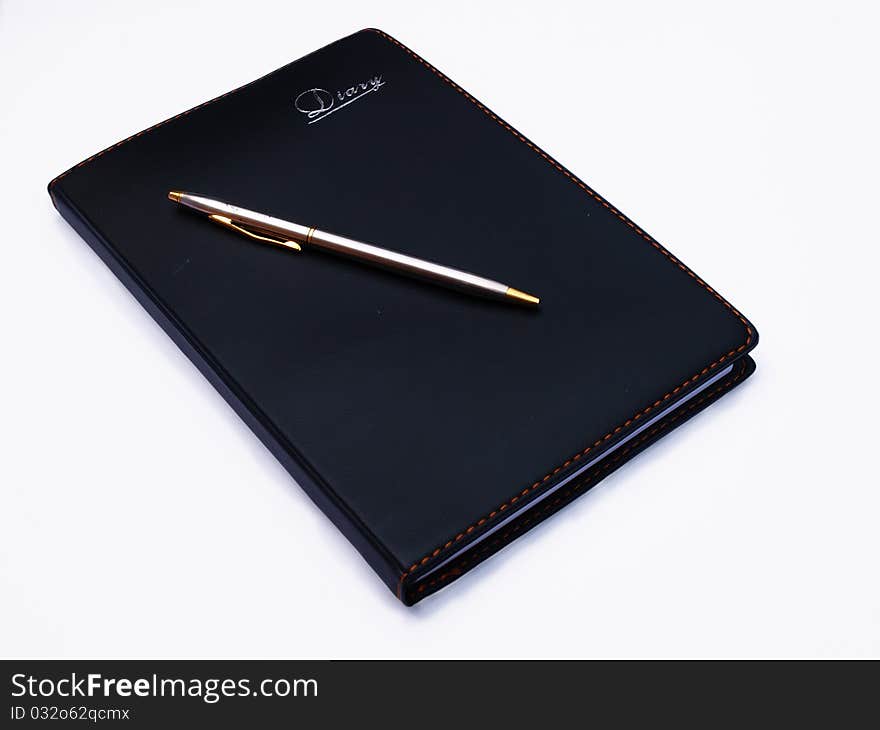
{"x": 248, "y": 222}
{"x": 397, "y": 261}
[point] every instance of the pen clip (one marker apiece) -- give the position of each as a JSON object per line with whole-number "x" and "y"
{"x": 224, "y": 221}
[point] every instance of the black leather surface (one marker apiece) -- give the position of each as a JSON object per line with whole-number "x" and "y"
{"x": 413, "y": 412}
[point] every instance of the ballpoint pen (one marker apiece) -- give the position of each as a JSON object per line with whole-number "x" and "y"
{"x": 262, "y": 227}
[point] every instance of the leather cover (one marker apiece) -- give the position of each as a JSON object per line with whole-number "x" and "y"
{"x": 414, "y": 416}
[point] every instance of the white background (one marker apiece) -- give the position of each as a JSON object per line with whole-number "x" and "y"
{"x": 140, "y": 517}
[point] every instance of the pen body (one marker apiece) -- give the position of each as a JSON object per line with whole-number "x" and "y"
{"x": 351, "y": 248}
{"x": 410, "y": 265}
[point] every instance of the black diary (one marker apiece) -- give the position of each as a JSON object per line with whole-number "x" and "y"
{"x": 431, "y": 426}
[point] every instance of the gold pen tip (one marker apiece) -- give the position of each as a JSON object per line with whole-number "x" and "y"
{"x": 174, "y": 196}
{"x": 522, "y": 296}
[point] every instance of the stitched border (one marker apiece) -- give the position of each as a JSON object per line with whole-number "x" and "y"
{"x": 458, "y": 568}
{"x": 598, "y": 198}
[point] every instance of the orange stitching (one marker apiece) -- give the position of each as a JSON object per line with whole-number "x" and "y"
{"x": 457, "y": 568}
{"x": 636, "y": 229}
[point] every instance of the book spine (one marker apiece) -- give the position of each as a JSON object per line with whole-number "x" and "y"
{"x": 388, "y": 569}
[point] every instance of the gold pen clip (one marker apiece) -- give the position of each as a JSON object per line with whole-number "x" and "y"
{"x": 224, "y": 221}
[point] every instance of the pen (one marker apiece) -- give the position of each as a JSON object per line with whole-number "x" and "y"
{"x": 294, "y": 236}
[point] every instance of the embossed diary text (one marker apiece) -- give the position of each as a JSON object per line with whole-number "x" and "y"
{"x": 319, "y": 103}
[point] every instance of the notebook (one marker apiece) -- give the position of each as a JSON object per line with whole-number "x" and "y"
{"x": 431, "y": 426}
